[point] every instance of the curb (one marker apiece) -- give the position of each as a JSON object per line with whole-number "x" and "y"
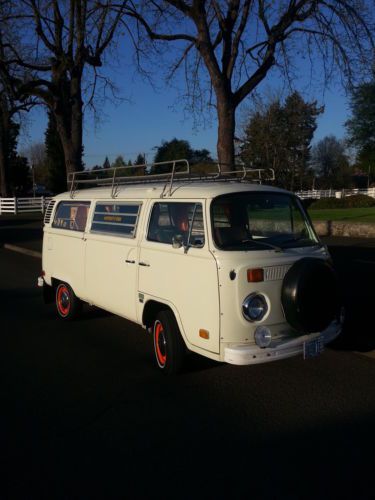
{"x": 25, "y": 251}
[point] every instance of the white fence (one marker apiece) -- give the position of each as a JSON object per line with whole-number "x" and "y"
{"x": 332, "y": 193}
{"x": 23, "y": 205}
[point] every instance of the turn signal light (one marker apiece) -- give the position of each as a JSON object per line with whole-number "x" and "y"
{"x": 204, "y": 334}
{"x": 255, "y": 275}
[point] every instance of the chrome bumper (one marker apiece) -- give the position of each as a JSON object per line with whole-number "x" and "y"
{"x": 245, "y": 354}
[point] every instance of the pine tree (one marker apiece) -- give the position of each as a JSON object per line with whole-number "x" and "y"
{"x": 140, "y": 160}
{"x": 278, "y": 136}
{"x": 106, "y": 163}
{"x": 361, "y": 126}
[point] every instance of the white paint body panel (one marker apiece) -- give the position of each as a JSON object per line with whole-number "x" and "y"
{"x": 111, "y": 281}
{"x": 189, "y": 282}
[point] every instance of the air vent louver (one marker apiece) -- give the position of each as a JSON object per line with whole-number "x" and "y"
{"x": 47, "y": 215}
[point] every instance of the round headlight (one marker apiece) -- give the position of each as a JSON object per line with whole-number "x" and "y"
{"x": 254, "y": 307}
{"x": 262, "y": 336}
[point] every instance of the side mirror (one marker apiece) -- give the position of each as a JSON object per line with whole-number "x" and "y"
{"x": 177, "y": 241}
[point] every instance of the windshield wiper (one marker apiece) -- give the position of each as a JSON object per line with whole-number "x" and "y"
{"x": 295, "y": 240}
{"x": 257, "y": 242}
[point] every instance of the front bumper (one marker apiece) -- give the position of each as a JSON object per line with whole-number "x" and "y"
{"x": 245, "y": 354}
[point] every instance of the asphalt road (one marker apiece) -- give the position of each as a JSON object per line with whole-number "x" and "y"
{"x": 86, "y": 414}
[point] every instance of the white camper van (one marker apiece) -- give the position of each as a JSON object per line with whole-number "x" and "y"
{"x": 218, "y": 265}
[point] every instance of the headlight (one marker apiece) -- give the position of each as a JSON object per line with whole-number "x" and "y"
{"x": 254, "y": 307}
{"x": 262, "y": 336}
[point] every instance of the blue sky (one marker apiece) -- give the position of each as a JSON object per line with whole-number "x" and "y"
{"x": 146, "y": 117}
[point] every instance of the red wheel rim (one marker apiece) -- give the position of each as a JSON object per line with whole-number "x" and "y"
{"x": 160, "y": 344}
{"x": 63, "y": 300}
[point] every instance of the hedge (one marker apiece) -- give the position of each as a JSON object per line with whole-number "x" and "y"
{"x": 355, "y": 201}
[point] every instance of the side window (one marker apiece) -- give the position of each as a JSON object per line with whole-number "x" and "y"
{"x": 71, "y": 215}
{"x": 169, "y": 220}
{"x": 119, "y": 219}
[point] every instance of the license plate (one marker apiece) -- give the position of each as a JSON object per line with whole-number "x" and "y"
{"x": 312, "y": 348}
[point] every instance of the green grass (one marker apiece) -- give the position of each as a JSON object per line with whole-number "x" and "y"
{"x": 344, "y": 214}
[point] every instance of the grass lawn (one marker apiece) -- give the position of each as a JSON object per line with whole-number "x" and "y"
{"x": 344, "y": 214}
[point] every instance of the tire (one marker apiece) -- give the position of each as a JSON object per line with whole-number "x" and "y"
{"x": 169, "y": 347}
{"x": 68, "y": 305}
{"x": 310, "y": 295}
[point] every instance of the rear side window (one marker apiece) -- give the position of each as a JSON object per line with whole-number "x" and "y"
{"x": 71, "y": 215}
{"x": 119, "y": 219}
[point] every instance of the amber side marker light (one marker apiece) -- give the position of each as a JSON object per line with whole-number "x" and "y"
{"x": 255, "y": 275}
{"x": 204, "y": 334}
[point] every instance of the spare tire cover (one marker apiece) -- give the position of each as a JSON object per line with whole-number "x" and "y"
{"x": 310, "y": 295}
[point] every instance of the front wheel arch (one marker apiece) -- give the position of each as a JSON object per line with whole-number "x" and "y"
{"x": 150, "y": 311}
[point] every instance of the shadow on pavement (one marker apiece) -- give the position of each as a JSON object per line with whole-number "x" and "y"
{"x": 22, "y": 230}
{"x": 356, "y": 269}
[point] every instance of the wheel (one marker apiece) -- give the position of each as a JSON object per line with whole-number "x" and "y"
{"x": 68, "y": 305}
{"x": 168, "y": 344}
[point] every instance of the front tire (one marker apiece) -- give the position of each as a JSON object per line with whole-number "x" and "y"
{"x": 68, "y": 305}
{"x": 169, "y": 347}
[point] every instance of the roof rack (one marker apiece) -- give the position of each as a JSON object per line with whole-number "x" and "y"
{"x": 173, "y": 170}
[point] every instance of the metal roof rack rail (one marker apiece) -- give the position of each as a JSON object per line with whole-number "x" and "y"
{"x": 176, "y": 170}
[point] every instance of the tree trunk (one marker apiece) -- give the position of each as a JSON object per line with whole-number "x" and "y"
{"x": 69, "y": 118}
{"x": 77, "y": 118}
{"x": 226, "y": 130}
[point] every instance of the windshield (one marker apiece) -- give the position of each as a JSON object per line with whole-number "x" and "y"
{"x": 260, "y": 221}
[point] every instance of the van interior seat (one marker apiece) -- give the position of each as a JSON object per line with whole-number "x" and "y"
{"x": 230, "y": 235}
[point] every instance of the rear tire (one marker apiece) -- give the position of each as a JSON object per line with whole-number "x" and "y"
{"x": 68, "y": 305}
{"x": 169, "y": 347}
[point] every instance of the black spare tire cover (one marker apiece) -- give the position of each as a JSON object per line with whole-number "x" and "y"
{"x": 310, "y": 295}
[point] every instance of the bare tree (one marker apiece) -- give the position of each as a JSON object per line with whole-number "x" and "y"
{"x": 37, "y": 158}
{"x": 57, "y": 42}
{"x": 238, "y": 42}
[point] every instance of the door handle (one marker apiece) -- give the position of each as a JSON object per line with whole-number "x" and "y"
{"x": 130, "y": 261}
{"x": 144, "y": 264}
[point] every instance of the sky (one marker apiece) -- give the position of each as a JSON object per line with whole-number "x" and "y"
{"x": 146, "y": 116}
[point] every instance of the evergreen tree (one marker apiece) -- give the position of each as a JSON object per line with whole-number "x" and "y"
{"x": 9, "y": 131}
{"x": 106, "y": 163}
{"x": 20, "y": 175}
{"x": 140, "y": 160}
{"x": 278, "y": 136}
{"x": 361, "y": 126}
{"x": 119, "y": 162}
{"x": 57, "y": 181}
{"x": 175, "y": 149}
